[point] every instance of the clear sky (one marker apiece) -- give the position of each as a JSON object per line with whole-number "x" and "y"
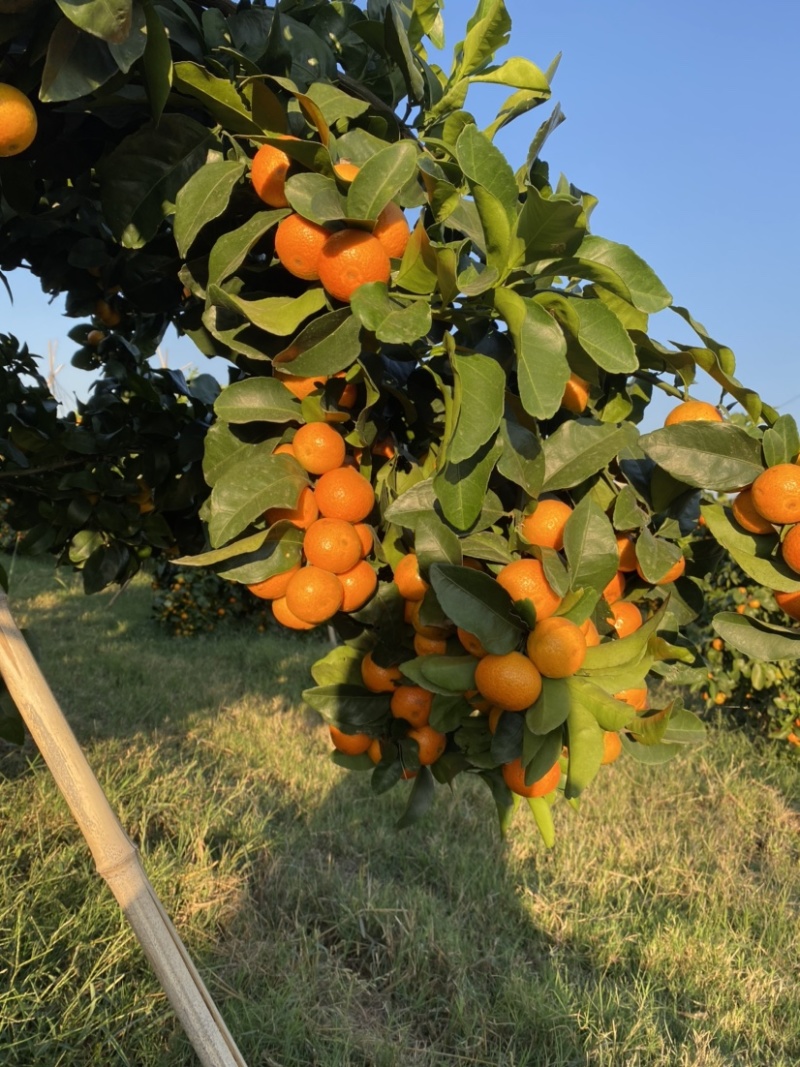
{"x": 682, "y": 118}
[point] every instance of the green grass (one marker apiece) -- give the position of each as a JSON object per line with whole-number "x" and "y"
{"x": 661, "y": 930}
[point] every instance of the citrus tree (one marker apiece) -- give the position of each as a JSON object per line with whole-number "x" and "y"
{"x": 430, "y": 437}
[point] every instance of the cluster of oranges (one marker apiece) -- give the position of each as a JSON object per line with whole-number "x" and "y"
{"x": 334, "y": 575}
{"x": 342, "y": 260}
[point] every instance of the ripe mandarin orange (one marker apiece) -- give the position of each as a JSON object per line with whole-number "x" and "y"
{"x": 268, "y": 174}
{"x": 693, "y": 411}
{"x": 365, "y": 536}
{"x": 318, "y": 448}
{"x": 625, "y": 618}
{"x": 286, "y": 617}
{"x": 514, "y": 777}
{"x": 301, "y": 515}
{"x": 359, "y": 584}
{"x": 412, "y": 703}
{"x": 408, "y": 580}
{"x": 672, "y": 575}
{"x": 524, "y": 579}
{"x": 344, "y": 494}
{"x": 556, "y": 647}
{"x": 351, "y": 744}
{"x": 18, "y": 122}
{"x": 776, "y": 494}
{"x": 612, "y": 747}
{"x": 591, "y": 633}
{"x": 374, "y": 751}
{"x": 744, "y": 511}
{"x": 274, "y": 586}
{"x": 350, "y": 259}
{"x": 510, "y": 681}
{"x": 429, "y": 646}
{"x": 298, "y": 244}
{"x": 790, "y": 603}
{"x": 332, "y": 544}
{"x": 790, "y": 551}
{"x": 615, "y": 589}
{"x": 430, "y": 742}
{"x": 298, "y": 385}
{"x": 576, "y": 395}
{"x": 314, "y": 595}
{"x": 345, "y": 170}
{"x": 379, "y": 679}
{"x": 411, "y": 614}
{"x": 637, "y": 697}
{"x": 392, "y": 230}
{"x": 626, "y": 549}
{"x": 286, "y": 449}
{"x": 470, "y": 643}
{"x": 545, "y": 525}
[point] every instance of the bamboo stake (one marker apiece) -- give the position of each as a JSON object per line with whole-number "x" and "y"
{"x": 115, "y": 855}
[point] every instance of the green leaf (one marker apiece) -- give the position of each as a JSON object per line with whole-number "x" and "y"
{"x": 628, "y": 515}
{"x": 517, "y": 72}
{"x": 684, "y": 727}
{"x": 604, "y": 339}
{"x": 551, "y": 709}
{"x": 622, "y": 651}
{"x": 107, "y": 19}
{"x": 585, "y": 743}
{"x": 248, "y": 489}
{"x": 609, "y": 713}
{"x": 316, "y": 198}
{"x": 590, "y": 546}
{"x": 484, "y": 166}
{"x": 328, "y": 344}
{"x": 754, "y": 553}
{"x": 218, "y": 95}
{"x": 435, "y": 543}
{"x": 449, "y": 674}
{"x": 646, "y": 291}
{"x": 276, "y": 315}
{"x": 706, "y": 455}
{"x": 412, "y": 506}
{"x": 419, "y": 799}
{"x": 475, "y": 602}
{"x": 522, "y": 460}
{"x": 756, "y": 639}
{"x": 655, "y": 556}
{"x": 479, "y": 391}
{"x": 448, "y": 712}
{"x": 540, "y": 752}
{"x": 399, "y": 49}
{"x": 350, "y": 708}
{"x": 487, "y": 32}
{"x": 390, "y": 320}
{"x": 257, "y": 400}
{"x": 157, "y": 61}
{"x": 577, "y": 450}
{"x": 280, "y": 550}
{"x": 548, "y": 226}
{"x": 543, "y": 817}
{"x": 653, "y": 755}
{"x": 461, "y": 487}
{"x": 141, "y": 178}
{"x": 341, "y": 666}
{"x": 75, "y": 65}
{"x": 380, "y": 179}
{"x": 781, "y": 441}
{"x": 541, "y": 348}
{"x": 233, "y": 247}
{"x": 204, "y": 197}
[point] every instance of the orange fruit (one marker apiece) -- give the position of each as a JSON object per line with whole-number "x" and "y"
{"x": 672, "y": 575}
{"x": 430, "y": 742}
{"x": 625, "y": 618}
{"x": 268, "y": 173}
{"x": 298, "y": 244}
{"x": 299, "y": 385}
{"x": 351, "y": 744}
{"x": 365, "y": 537}
{"x": 344, "y": 494}
{"x": 576, "y": 395}
{"x": 545, "y": 526}
{"x": 412, "y": 703}
{"x": 744, "y": 511}
{"x": 693, "y": 411}
{"x": 349, "y": 259}
{"x": 494, "y": 718}
{"x": 314, "y": 595}
{"x": 108, "y": 315}
{"x": 524, "y": 579}
{"x": 374, "y": 751}
{"x": 359, "y": 584}
{"x": 301, "y": 515}
{"x": 95, "y": 337}
{"x": 612, "y": 747}
{"x": 318, "y": 447}
{"x": 626, "y": 549}
{"x": 429, "y": 646}
{"x": 514, "y": 777}
{"x": 408, "y": 580}
{"x": 591, "y": 633}
{"x": 615, "y": 589}
{"x": 18, "y": 122}
{"x": 392, "y": 230}
{"x": 286, "y": 449}
{"x": 790, "y": 550}
{"x": 411, "y": 614}
{"x": 720, "y": 699}
{"x": 470, "y": 643}
{"x": 345, "y": 170}
{"x": 332, "y": 544}
{"x": 790, "y": 603}
{"x": 718, "y": 644}
{"x": 379, "y": 679}
{"x": 286, "y": 617}
{"x": 510, "y": 681}
{"x": 637, "y": 698}
{"x": 776, "y": 494}
{"x": 556, "y": 647}
{"x": 274, "y": 586}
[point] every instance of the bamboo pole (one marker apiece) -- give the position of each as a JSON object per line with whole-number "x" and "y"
{"x": 115, "y": 855}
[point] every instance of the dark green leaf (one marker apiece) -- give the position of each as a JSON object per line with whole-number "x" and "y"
{"x": 590, "y": 546}
{"x": 204, "y": 197}
{"x": 781, "y": 441}
{"x": 257, "y": 400}
{"x": 419, "y": 800}
{"x": 754, "y": 553}
{"x": 316, "y": 198}
{"x": 413, "y": 505}
{"x": 390, "y": 320}
{"x": 480, "y": 387}
{"x": 380, "y": 179}
{"x": 756, "y": 639}
{"x": 655, "y": 556}
{"x": 448, "y": 712}
{"x": 276, "y": 315}
{"x": 75, "y": 65}
{"x": 233, "y": 247}
{"x": 461, "y": 487}
{"x": 475, "y": 602}
{"x": 351, "y": 708}
{"x": 327, "y": 345}
{"x": 551, "y": 709}
{"x": 706, "y": 455}
{"x": 549, "y": 226}
{"x": 604, "y": 339}
{"x": 646, "y": 291}
{"x": 108, "y": 19}
{"x": 218, "y": 95}
{"x": 157, "y": 61}
{"x": 542, "y": 368}
{"x": 577, "y": 450}
{"x": 522, "y": 460}
{"x": 245, "y": 492}
{"x": 435, "y": 543}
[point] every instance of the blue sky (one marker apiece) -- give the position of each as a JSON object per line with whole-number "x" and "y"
{"x": 683, "y": 119}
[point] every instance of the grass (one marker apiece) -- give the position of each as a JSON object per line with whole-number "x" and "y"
{"x": 662, "y": 930}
